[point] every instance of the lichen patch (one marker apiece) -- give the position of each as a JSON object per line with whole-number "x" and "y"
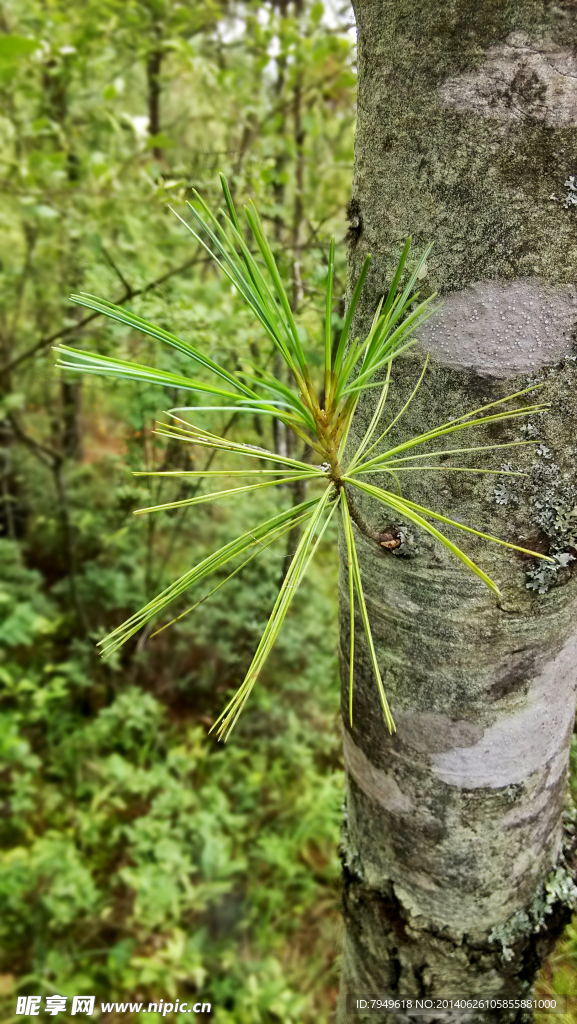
{"x": 519, "y": 79}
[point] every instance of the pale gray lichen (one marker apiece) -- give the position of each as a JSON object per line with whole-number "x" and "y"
{"x": 502, "y": 494}
{"x": 545, "y": 574}
{"x": 348, "y": 853}
{"x": 507, "y": 934}
{"x": 408, "y": 547}
{"x": 529, "y": 429}
{"x": 505, "y": 490}
{"x": 570, "y": 198}
{"x": 558, "y": 888}
{"x": 569, "y": 815}
{"x": 512, "y": 792}
{"x": 553, "y": 501}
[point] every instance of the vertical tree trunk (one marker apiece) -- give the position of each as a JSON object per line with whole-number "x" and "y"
{"x": 71, "y": 400}
{"x": 153, "y": 69}
{"x": 458, "y": 870}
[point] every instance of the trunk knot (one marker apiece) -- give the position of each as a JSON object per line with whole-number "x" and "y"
{"x": 389, "y": 539}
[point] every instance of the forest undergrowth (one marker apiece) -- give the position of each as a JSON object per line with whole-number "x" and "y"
{"x": 142, "y": 859}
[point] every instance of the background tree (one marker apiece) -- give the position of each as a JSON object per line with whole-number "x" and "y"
{"x": 458, "y": 871}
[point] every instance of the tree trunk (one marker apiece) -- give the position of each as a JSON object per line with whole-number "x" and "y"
{"x": 458, "y": 870}
{"x": 71, "y": 433}
{"x": 153, "y": 69}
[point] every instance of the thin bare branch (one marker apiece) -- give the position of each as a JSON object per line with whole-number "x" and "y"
{"x": 129, "y": 294}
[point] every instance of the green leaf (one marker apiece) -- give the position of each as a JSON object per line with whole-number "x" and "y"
{"x": 396, "y": 419}
{"x": 400, "y": 505}
{"x": 13, "y": 47}
{"x": 235, "y": 572}
{"x": 393, "y": 344}
{"x": 267, "y": 255}
{"x": 229, "y": 262}
{"x": 441, "y": 451}
{"x": 374, "y": 422}
{"x": 349, "y": 539}
{"x": 380, "y": 494}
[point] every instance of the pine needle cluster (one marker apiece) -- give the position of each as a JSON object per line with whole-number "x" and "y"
{"x": 318, "y": 411}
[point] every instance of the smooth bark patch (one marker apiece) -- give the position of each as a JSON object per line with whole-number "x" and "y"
{"x": 504, "y": 328}
{"x": 518, "y": 744}
{"x": 519, "y": 79}
{"x": 430, "y": 733}
{"x": 374, "y": 782}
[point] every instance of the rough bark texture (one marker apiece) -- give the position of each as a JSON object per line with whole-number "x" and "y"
{"x": 458, "y": 873}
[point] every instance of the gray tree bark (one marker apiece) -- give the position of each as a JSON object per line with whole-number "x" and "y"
{"x": 457, "y": 851}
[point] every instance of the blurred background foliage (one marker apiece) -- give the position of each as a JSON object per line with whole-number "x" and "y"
{"x": 139, "y": 858}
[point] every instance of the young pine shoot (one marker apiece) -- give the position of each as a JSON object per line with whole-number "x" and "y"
{"x": 318, "y": 411}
